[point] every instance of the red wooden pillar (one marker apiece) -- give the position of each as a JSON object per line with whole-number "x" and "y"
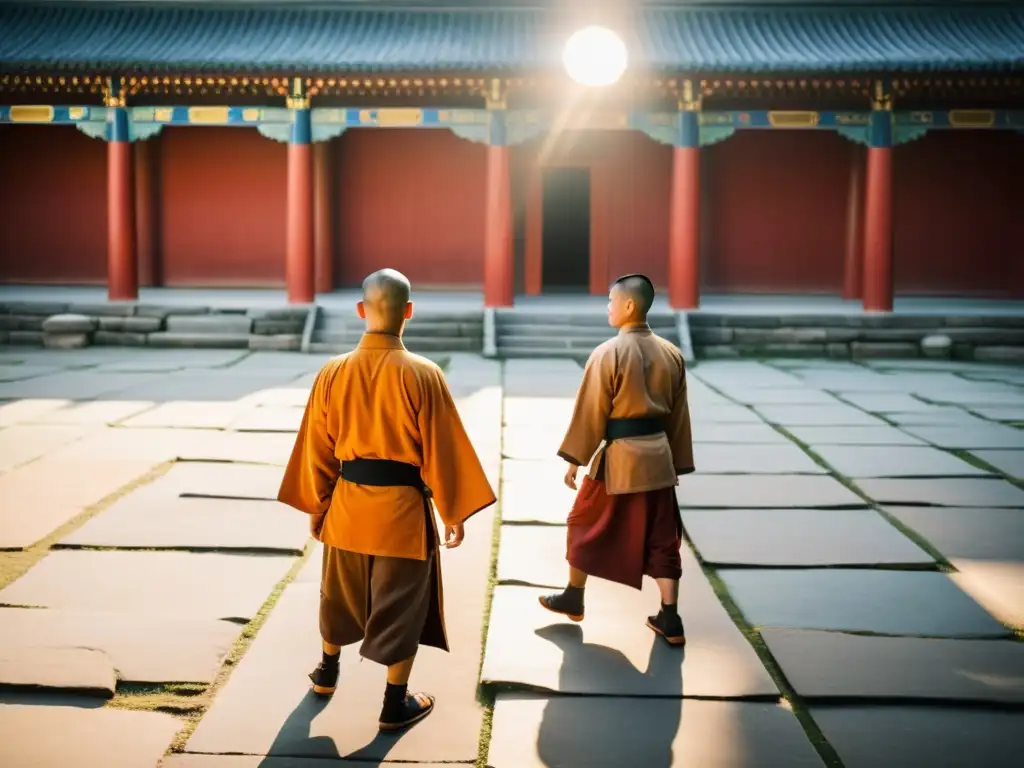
{"x": 299, "y": 264}
{"x": 878, "y": 228}
{"x": 684, "y": 217}
{"x": 122, "y": 264}
{"x": 147, "y": 212}
{"x": 853, "y": 280}
{"x": 498, "y": 250}
{"x": 323, "y": 218}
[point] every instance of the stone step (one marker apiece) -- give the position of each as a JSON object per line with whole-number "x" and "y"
{"x": 712, "y": 320}
{"x": 556, "y": 341}
{"x": 199, "y": 340}
{"x": 219, "y": 324}
{"x": 519, "y": 317}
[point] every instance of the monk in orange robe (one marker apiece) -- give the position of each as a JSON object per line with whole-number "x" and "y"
{"x": 625, "y": 522}
{"x": 379, "y": 441}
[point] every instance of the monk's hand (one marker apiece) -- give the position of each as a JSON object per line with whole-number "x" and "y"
{"x": 570, "y": 476}
{"x": 316, "y": 525}
{"x": 453, "y": 535}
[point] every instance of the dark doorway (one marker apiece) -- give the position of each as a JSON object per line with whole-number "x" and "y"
{"x": 566, "y": 241}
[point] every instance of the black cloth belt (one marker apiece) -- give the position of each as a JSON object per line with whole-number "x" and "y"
{"x": 620, "y": 429}
{"x": 382, "y": 473}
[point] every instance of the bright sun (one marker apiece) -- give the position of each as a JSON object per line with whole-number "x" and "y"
{"x": 595, "y": 56}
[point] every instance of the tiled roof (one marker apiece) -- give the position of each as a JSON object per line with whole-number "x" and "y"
{"x": 294, "y": 38}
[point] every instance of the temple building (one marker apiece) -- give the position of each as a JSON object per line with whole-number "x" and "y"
{"x": 844, "y": 148}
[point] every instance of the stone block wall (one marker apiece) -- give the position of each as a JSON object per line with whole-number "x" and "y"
{"x": 71, "y": 326}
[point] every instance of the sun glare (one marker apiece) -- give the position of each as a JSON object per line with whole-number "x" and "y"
{"x": 595, "y": 56}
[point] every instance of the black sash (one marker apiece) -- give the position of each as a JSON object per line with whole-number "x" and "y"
{"x": 620, "y": 429}
{"x": 385, "y": 473}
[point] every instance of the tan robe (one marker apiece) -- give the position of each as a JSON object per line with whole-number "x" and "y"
{"x": 636, "y": 374}
{"x": 381, "y": 581}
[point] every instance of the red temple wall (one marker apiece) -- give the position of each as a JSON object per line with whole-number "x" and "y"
{"x": 53, "y": 221}
{"x": 412, "y": 200}
{"x": 959, "y": 213}
{"x": 222, "y": 197}
{"x": 775, "y": 218}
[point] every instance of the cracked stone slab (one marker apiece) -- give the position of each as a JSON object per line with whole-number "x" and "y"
{"x": 968, "y": 437}
{"x": 861, "y": 600}
{"x": 187, "y": 584}
{"x": 760, "y": 434}
{"x": 536, "y": 731}
{"x": 896, "y": 461}
{"x": 21, "y": 444}
{"x": 98, "y": 412}
{"x": 815, "y": 436}
{"x": 835, "y": 665}
{"x": 721, "y": 458}
{"x": 533, "y": 492}
{"x": 183, "y": 414}
{"x": 148, "y": 519}
{"x": 44, "y": 495}
{"x": 799, "y": 537}
{"x": 142, "y": 648}
{"x": 1010, "y": 462}
{"x": 818, "y": 416}
{"x": 269, "y": 418}
{"x": 612, "y": 652}
{"x": 780, "y": 396}
{"x": 70, "y": 670}
{"x": 267, "y": 708}
{"x": 867, "y": 737}
{"x": 771, "y": 491}
{"x": 953, "y": 492}
{"x": 89, "y": 735}
{"x": 228, "y": 481}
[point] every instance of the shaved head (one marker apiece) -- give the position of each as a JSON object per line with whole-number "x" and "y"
{"x": 386, "y": 296}
{"x": 640, "y": 289}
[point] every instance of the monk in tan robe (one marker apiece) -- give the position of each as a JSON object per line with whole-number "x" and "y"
{"x": 380, "y": 440}
{"x": 625, "y": 522}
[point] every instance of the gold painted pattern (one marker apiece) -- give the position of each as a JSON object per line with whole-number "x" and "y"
{"x": 24, "y": 113}
{"x": 793, "y": 119}
{"x": 972, "y": 118}
{"x": 208, "y": 115}
{"x": 251, "y": 115}
{"x": 163, "y": 115}
{"x": 77, "y": 113}
{"x": 398, "y": 117}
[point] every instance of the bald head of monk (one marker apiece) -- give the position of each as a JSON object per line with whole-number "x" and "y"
{"x": 629, "y": 300}
{"x": 385, "y": 306}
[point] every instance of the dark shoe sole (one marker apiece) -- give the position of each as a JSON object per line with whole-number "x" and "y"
{"x": 387, "y": 727}
{"x": 571, "y": 616}
{"x": 676, "y": 640}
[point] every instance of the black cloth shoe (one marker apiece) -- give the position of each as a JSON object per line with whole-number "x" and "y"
{"x": 668, "y": 624}
{"x": 569, "y": 603}
{"x": 399, "y": 713}
{"x": 325, "y": 676}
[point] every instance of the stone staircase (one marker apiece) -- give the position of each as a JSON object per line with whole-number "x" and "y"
{"x": 992, "y": 338}
{"x": 339, "y": 331}
{"x": 536, "y": 333}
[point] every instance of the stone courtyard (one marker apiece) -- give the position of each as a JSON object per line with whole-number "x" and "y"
{"x": 853, "y": 585}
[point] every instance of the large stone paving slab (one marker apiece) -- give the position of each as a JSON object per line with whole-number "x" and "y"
{"x": 541, "y": 378}
{"x": 269, "y": 418}
{"x": 721, "y": 458}
{"x": 953, "y": 492}
{"x": 771, "y": 491}
{"x": 996, "y": 584}
{"x": 818, "y": 416}
{"x": 815, "y": 436}
{"x": 836, "y": 665}
{"x": 156, "y": 445}
{"x": 937, "y": 416}
{"x": 743, "y": 374}
{"x": 28, "y": 409}
{"x": 70, "y": 670}
{"x": 968, "y": 437}
{"x": 869, "y": 737}
{"x": 895, "y": 461}
{"x": 188, "y": 584}
{"x": 534, "y": 731}
{"x": 772, "y": 396}
{"x": 612, "y": 653}
{"x": 756, "y": 434}
{"x": 267, "y": 707}
{"x": 724, "y": 414}
{"x": 97, "y": 412}
{"x": 1011, "y": 413}
{"x": 42, "y": 496}
{"x": 864, "y": 600}
{"x": 187, "y": 415}
{"x": 150, "y": 520}
{"x": 886, "y": 402}
{"x": 545, "y": 412}
{"x": 799, "y": 537}
{"x": 976, "y": 533}
{"x": 22, "y": 444}
{"x": 43, "y": 732}
{"x": 295, "y": 397}
{"x": 142, "y": 648}
{"x": 206, "y": 386}
{"x": 534, "y": 492}
{"x": 77, "y": 385}
{"x": 246, "y": 447}
{"x": 532, "y": 442}
{"x": 1009, "y": 462}
{"x": 226, "y": 481}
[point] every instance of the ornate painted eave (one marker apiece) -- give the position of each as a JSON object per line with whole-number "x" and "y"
{"x": 331, "y": 39}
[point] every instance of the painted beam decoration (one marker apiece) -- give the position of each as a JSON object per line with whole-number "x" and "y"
{"x": 519, "y": 125}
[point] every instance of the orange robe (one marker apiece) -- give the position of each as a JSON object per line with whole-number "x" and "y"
{"x": 625, "y": 521}
{"x": 382, "y": 402}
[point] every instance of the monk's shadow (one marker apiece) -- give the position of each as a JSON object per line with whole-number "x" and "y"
{"x": 600, "y": 730}
{"x": 295, "y": 739}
